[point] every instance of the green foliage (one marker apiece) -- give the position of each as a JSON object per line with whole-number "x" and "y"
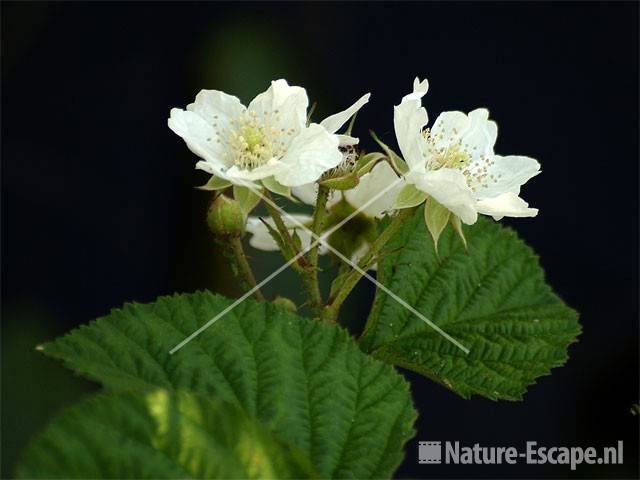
{"x": 493, "y": 299}
{"x": 307, "y": 381}
{"x": 160, "y": 434}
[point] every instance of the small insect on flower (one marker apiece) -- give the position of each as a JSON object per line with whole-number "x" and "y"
{"x": 269, "y": 141}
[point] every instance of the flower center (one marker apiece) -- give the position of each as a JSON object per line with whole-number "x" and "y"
{"x": 476, "y": 169}
{"x": 253, "y": 137}
{"x": 451, "y": 156}
{"x": 251, "y": 141}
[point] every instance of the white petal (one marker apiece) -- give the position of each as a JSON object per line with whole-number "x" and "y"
{"x": 284, "y": 102}
{"x": 306, "y": 193}
{"x": 474, "y": 133}
{"x": 409, "y": 118}
{"x": 346, "y": 140}
{"x": 309, "y": 193}
{"x": 200, "y": 138}
{"x": 492, "y": 128}
{"x": 311, "y": 153}
{"x": 420, "y": 87}
{"x": 337, "y": 120}
{"x": 216, "y": 107}
{"x": 481, "y": 133}
{"x": 261, "y": 239}
{"x": 448, "y": 187}
{"x": 269, "y": 169}
{"x": 377, "y": 180}
{"x": 509, "y": 174}
{"x": 506, "y": 205}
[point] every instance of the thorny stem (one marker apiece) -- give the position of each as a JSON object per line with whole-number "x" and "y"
{"x": 330, "y": 313}
{"x": 306, "y": 271}
{"x": 240, "y": 265}
{"x": 319, "y": 215}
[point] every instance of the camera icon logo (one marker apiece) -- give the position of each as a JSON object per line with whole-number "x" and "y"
{"x": 429, "y": 452}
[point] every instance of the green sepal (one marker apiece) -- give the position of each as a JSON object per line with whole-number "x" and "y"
{"x": 352, "y": 122}
{"x": 366, "y": 162}
{"x": 271, "y": 184}
{"x": 345, "y": 182}
{"x": 436, "y": 217}
{"x": 275, "y": 235}
{"x": 246, "y": 197}
{"x": 409, "y": 197}
{"x": 396, "y": 161}
{"x": 457, "y": 227}
{"x": 215, "y": 183}
{"x": 297, "y": 242}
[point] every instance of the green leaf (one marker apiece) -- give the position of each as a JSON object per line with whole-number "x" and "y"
{"x": 409, "y": 197}
{"x": 215, "y": 183}
{"x": 436, "y": 218}
{"x": 247, "y": 199}
{"x": 159, "y": 434}
{"x": 493, "y": 300}
{"x": 307, "y": 381}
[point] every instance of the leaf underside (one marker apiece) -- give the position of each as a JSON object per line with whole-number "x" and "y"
{"x": 159, "y": 434}
{"x": 309, "y": 382}
{"x": 493, "y": 300}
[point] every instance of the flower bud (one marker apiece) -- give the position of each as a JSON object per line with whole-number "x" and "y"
{"x": 285, "y": 303}
{"x": 225, "y": 217}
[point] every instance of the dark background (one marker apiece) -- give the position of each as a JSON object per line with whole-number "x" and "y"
{"x": 98, "y": 206}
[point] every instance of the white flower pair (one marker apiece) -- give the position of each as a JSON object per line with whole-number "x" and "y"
{"x": 452, "y": 165}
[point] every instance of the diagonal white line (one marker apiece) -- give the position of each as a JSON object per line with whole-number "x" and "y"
{"x": 355, "y": 266}
{"x": 236, "y": 303}
{"x": 281, "y": 268}
{"x": 398, "y": 299}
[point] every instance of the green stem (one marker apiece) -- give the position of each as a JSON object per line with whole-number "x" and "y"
{"x": 330, "y": 313}
{"x": 240, "y": 265}
{"x": 290, "y": 249}
{"x": 319, "y": 216}
{"x": 306, "y": 271}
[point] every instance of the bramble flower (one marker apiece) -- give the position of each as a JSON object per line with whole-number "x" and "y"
{"x": 454, "y": 165}
{"x": 268, "y": 141}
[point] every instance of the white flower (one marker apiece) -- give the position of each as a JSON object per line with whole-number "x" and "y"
{"x": 454, "y": 161}
{"x": 269, "y": 138}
